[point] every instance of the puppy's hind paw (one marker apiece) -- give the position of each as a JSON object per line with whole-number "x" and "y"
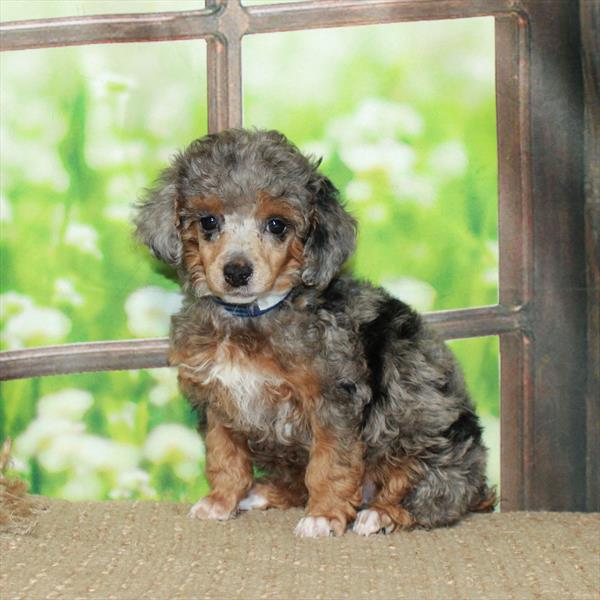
{"x": 318, "y": 527}
{"x": 210, "y": 508}
{"x": 253, "y": 501}
{"x": 371, "y": 521}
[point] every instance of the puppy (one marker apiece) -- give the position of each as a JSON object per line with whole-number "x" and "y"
{"x": 334, "y": 389}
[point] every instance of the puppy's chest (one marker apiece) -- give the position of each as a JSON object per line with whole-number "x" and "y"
{"x": 258, "y": 399}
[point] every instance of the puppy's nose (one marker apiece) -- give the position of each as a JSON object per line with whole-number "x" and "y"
{"x": 237, "y": 273}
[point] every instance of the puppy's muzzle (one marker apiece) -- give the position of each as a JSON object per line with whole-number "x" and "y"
{"x": 237, "y": 273}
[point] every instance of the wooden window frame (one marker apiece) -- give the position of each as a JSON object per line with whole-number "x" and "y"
{"x": 547, "y": 317}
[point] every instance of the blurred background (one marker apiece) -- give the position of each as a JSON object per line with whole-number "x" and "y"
{"x": 404, "y": 118}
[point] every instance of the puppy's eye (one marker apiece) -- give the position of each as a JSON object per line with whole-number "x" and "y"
{"x": 276, "y": 226}
{"x": 209, "y": 223}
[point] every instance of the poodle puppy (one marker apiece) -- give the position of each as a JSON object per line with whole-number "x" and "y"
{"x": 336, "y": 391}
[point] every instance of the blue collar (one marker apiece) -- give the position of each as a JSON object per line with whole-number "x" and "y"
{"x": 248, "y": 310}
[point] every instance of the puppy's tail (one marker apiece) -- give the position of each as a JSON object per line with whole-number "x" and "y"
{"x": 486, "y": 500}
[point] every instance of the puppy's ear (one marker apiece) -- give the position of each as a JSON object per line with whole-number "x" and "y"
{"x": 332, "y": 235}
{"x": 156, "y": 219}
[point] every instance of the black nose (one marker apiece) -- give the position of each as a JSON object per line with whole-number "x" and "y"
{"x": 237, "y": 273}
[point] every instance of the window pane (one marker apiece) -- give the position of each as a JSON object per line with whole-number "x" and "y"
{"x": 126, "y": 434}
{"x": 84, "y": 130}
{"x": 404, "y": 116}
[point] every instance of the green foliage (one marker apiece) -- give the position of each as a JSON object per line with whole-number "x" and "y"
{"x": 404, "y": 118}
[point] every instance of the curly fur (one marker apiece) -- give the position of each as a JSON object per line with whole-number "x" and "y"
{"x": 341, "y": 388}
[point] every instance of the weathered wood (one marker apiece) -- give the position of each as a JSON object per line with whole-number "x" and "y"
{"x": 264, "y": 18}
{"x": 590, "y": 37}
{"x": 224, "y": 66}
{"x": 555, "y": 430}
{"x": 107, "y": 29}
{"x": 515, "y": 253}
{"x": 81, "y": 358}
{"x": 150, "y": 353}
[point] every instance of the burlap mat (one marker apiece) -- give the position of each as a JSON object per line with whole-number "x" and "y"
{"x": 147, "y": 550}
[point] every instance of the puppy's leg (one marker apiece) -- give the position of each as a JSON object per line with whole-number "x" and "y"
{"x": 270, "y": 492}
{"x": 228, "y": 470}
{"x": 384, "y": 512}
{"x": 333, "y": 478}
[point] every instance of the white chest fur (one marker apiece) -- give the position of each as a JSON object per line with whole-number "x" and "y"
{"x": 246, "y": 385}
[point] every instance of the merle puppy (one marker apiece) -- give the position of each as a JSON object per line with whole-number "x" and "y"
{"x": 336, "y": 390}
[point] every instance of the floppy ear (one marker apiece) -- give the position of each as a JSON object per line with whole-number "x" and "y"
{"x": 156, "y": 219}
{"x": 332, "y": 235}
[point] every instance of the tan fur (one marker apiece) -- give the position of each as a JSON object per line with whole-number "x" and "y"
{"x": 191, "y": 257}
{"x": 211, "y": 205}
{"x": 333, "y": 478}
{"x": 228, "y": 464}
{"x": 282, "y": 494}
{"x": 276, "y": 263}
{"x": 393, "y": 483}
{"x": 334, "y": 473}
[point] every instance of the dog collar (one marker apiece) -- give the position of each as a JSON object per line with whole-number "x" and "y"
{"x": 253, "y": 309}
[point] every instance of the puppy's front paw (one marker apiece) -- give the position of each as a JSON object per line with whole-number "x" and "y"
{"x": 370, "y": 521}
{"x": 211, "y": 508}
{"x": 318, "y": 527}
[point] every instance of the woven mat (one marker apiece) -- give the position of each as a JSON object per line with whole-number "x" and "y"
{"x": 145, "y": 550}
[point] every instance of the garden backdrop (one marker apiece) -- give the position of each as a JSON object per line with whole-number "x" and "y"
{"x": 404, "y": 118}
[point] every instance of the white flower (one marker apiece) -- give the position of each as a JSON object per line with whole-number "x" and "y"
{"x": 490, "y": 275}
{"x": 417, "y": 188}
{"x": 375, "y": 120}
{"x": 120, "y": 190}
{"x": 84, "y": 452}
{"x": 492, "y": 247}
{"x": 64, "y": 291}
{"x": 449, "y": 159}
{"x": 85, "y": 486}
{"x": 35, "y": 326}
{"x": 415, "y": 292}
{"x": 159, "y": 118}
{"x": 376, "y": 213}
{"x": 167, "y": 387}
{"x": 125, "y": 415}
{"x": 118, "y": 212}
{"x": 12, "y": 303}
{"x": 41, "y": 433}
{"x": 70, "y": 404}
{"x": 132, "y": 481}
{"x": 186, "y": 470}
{"x": 389, "y": 155}
{"x": 175, "y": 444}
{"x": 317, "y": 149}
{"x": 358, "y": 190}
{"x": 5, "y": 209}
{"x": 47, "y": 169}
{"x": 378, "y": 118}
{"x": 149, "y": 311}
{"x": 84, "y": 237}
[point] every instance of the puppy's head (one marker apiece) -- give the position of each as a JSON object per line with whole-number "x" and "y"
{"x": 243, "y": 215}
